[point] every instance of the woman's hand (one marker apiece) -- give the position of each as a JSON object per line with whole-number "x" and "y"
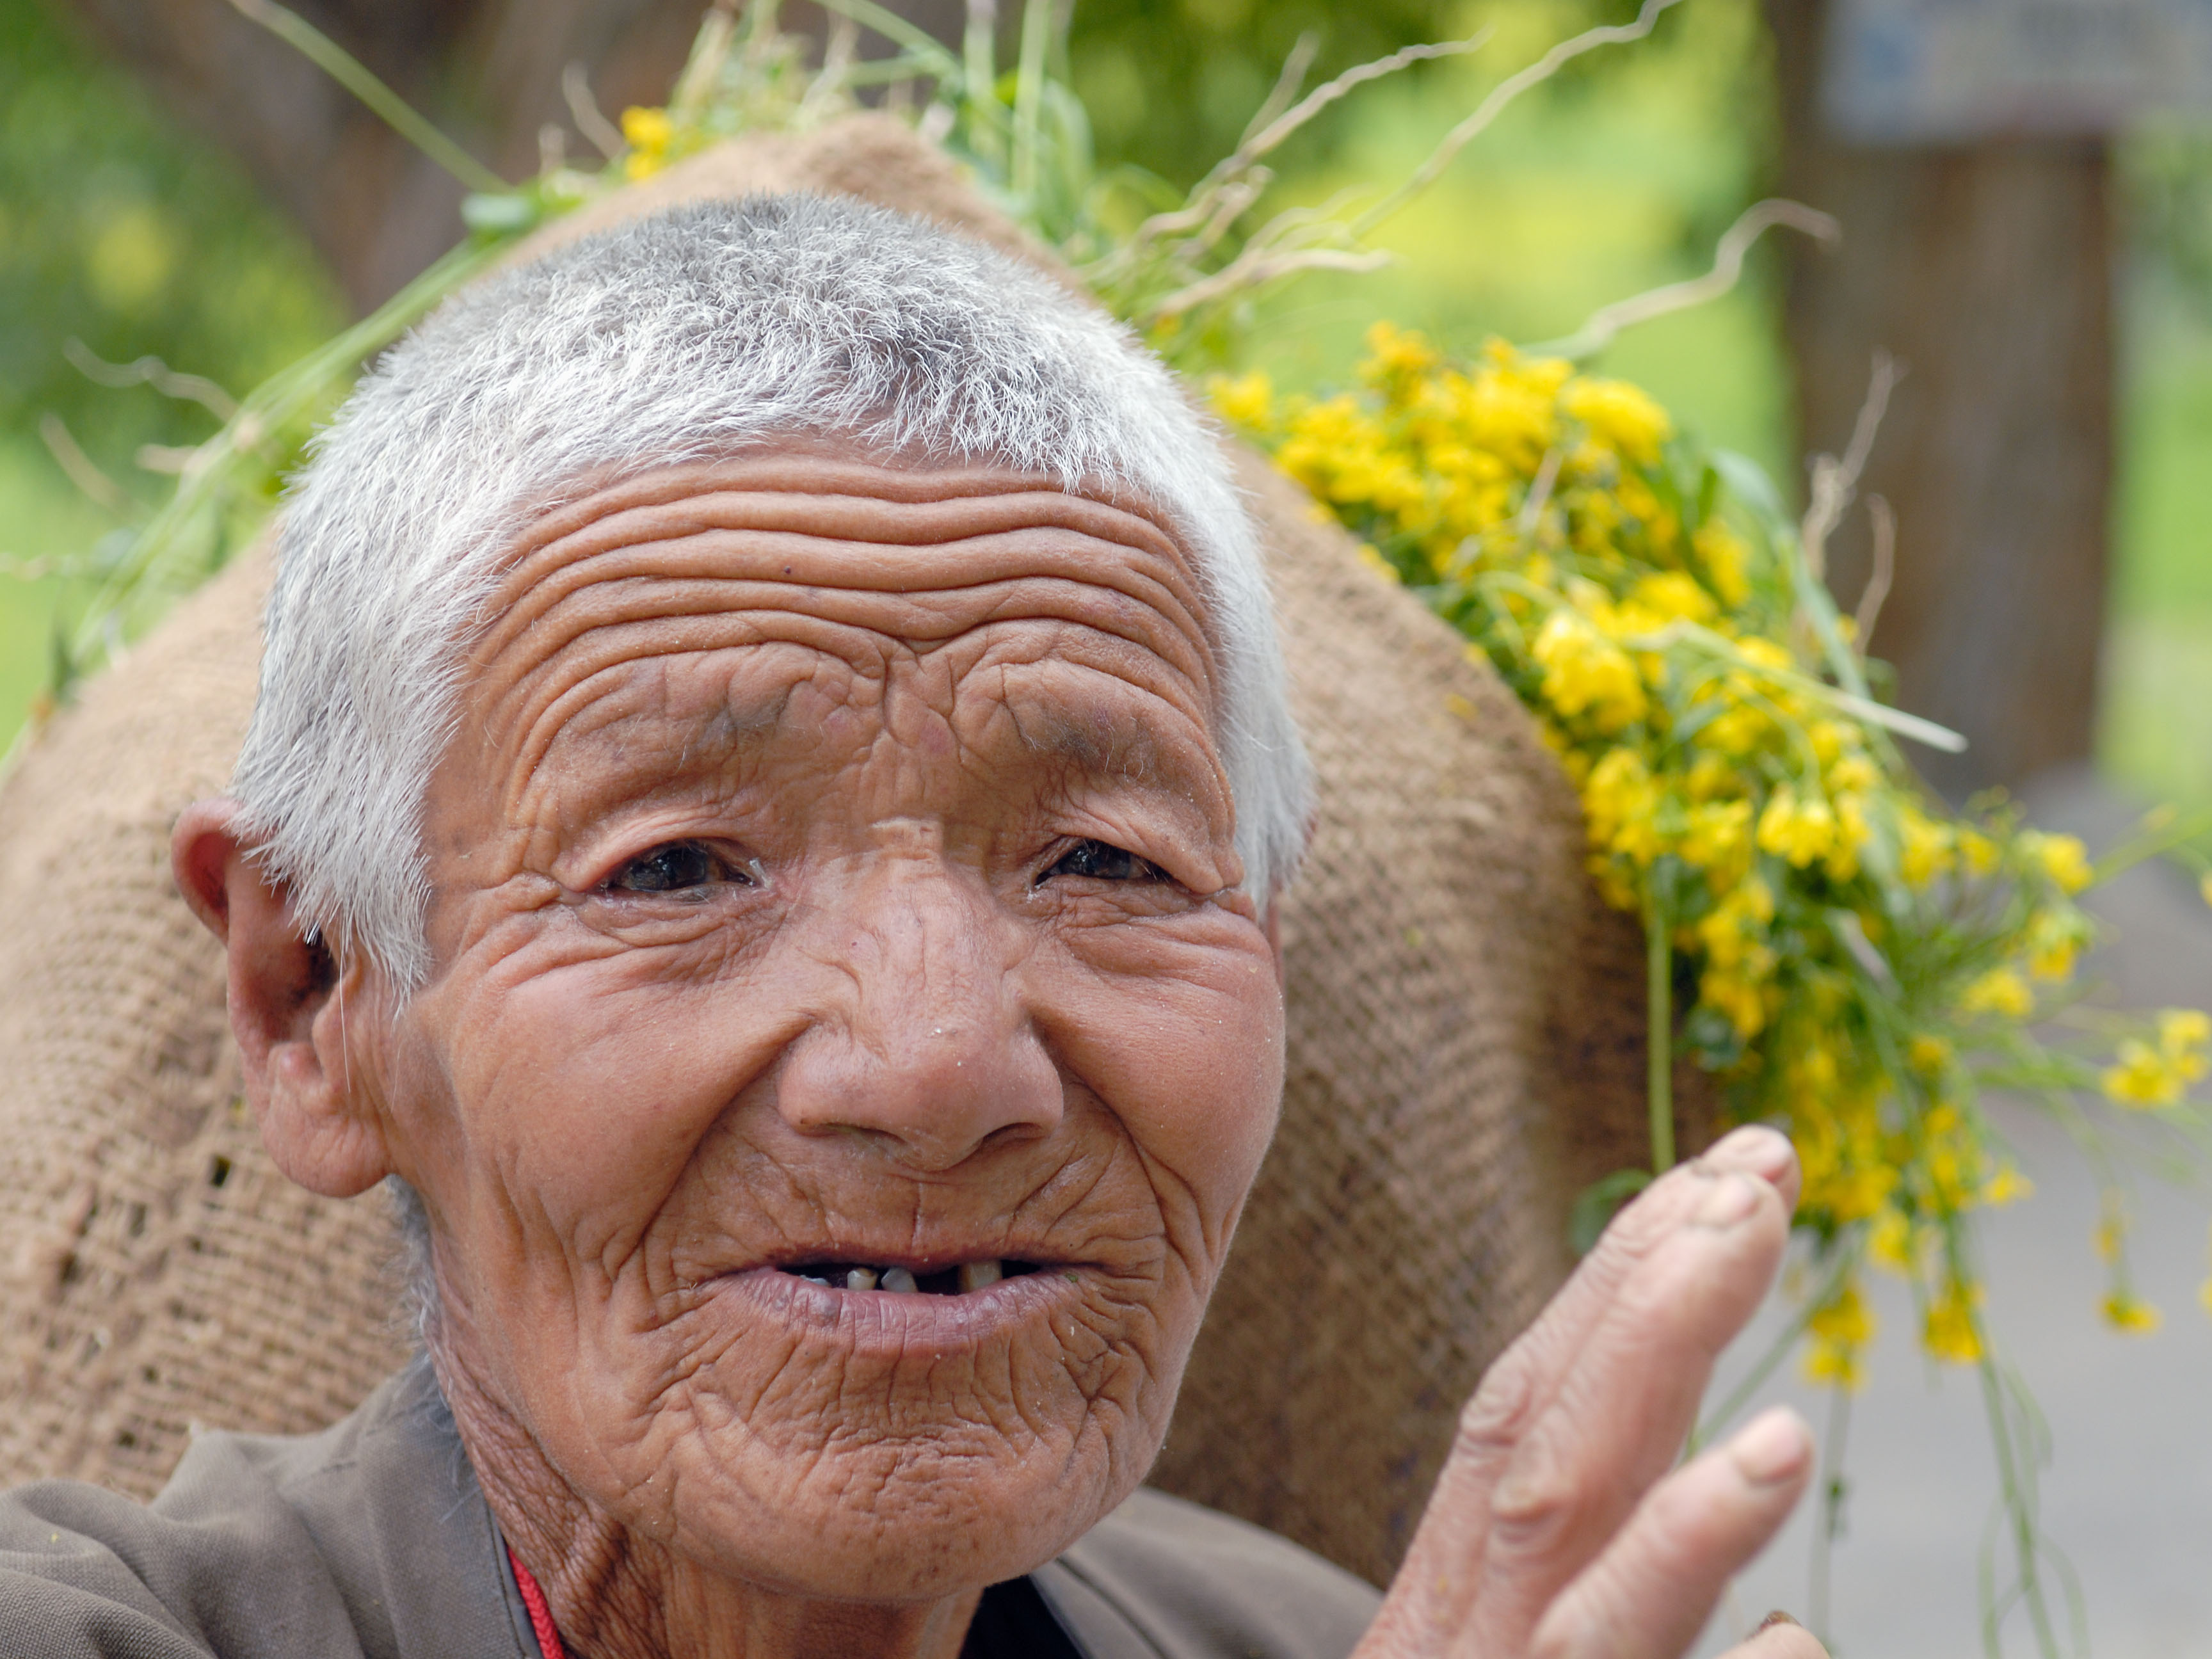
{"x": 1556, "y": 1530}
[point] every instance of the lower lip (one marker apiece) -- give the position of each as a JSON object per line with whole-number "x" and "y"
{"x": 893, "y": 1323}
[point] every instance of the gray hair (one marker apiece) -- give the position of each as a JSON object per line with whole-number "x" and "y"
{"x": 691, "y": 335}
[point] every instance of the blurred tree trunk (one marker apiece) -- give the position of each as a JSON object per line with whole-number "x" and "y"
{"x": 488, "y": 72}
{"x": 1986, "y": 271}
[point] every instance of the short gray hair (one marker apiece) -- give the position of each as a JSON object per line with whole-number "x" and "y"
{"x": 696, "y": 334}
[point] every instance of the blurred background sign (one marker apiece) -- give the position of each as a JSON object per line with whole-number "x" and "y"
{"x": 1952, "y": 71}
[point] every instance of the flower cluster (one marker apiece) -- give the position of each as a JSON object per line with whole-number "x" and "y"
{"x": 1853, "y": 958}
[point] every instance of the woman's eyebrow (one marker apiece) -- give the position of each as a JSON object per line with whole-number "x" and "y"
{"x": 635, "y": 742}
{"x": 1108, "y": 746}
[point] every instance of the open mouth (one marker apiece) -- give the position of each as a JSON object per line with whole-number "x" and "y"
{"x": 960, "y": 1279}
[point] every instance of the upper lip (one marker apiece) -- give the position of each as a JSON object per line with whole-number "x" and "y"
{"x": 932, "y": 1256}
{"x": 935, "y": 1261}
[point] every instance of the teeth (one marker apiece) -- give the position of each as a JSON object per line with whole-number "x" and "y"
{"x": 815, "y": 1279}
{"x": 862, "y": 1278}
{"x": 898, "y": 1280}
{"x": 974, "y": 1275}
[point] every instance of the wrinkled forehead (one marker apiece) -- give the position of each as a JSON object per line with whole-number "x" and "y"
{"x": 813, "y": 544}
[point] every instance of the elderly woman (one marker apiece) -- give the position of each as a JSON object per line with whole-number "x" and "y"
{"x": 762, "y": 824}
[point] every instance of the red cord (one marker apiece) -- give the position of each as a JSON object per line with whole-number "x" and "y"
{"x": 541, "y": 1616}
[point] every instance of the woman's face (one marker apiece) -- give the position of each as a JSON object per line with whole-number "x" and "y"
{"x": 834, "y": 884}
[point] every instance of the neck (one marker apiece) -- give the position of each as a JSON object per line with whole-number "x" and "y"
{"x": 616, "y": 1593}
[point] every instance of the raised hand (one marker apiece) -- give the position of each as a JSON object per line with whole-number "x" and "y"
{"x": 1556, "y": 1530}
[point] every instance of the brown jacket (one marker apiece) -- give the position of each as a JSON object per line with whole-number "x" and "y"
{"x": 372, "y": 1541}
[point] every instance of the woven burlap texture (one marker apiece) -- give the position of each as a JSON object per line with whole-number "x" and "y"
{"x": 1465, "y": 1048}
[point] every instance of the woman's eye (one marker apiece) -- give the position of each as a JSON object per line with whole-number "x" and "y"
{"x": 674, "y": 868}
{"x": 1100, "y": 862}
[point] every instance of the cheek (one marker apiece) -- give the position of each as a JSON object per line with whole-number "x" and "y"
{"x": 590, "y": 1090}
{"x": 1184, "y": 1041}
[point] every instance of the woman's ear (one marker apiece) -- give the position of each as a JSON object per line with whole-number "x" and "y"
{"x": 287, "y": 1009}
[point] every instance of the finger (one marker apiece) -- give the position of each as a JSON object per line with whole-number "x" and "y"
{"x": 1660, "y": 1296}
{"x": 1546, "y": 1351}
{"x": 1619, "y": 1417}
{"x": 1650, "y": 1592}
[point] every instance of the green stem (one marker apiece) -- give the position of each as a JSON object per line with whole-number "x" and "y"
{"x": 1709, "y": 1426}
{"x": 1831, "y": 1507}
{"x": 1659, "y": 1036}
{"x": 343, "y": 67}
{"x": 1029, "y": 97}
{"x": 2015, "y": 1479}
{"x": 979, "y": 81}
{"x": 926, "y": 49}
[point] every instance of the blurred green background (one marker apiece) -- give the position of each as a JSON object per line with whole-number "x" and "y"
{"x": 120, "y": 231}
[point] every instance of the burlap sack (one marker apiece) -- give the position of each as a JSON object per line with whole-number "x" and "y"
{"x": 1465, "y": 1050}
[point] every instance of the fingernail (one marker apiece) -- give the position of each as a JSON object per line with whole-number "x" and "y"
{"x": 1734, "y": 1196}
{"x": 1777, "y": 1617}
{"x": 1755, "y": 1148}
{"x": 1772, "y": 1448}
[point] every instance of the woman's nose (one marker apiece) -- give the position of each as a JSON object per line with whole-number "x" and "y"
{"x": 928, "y": 1046}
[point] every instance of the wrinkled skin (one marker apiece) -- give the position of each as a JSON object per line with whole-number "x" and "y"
{"x": 835, "y": 862}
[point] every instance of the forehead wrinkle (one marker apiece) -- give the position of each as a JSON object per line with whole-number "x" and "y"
{"x": 803, "y": 485}
{"x": 577, "y": 714}
{"x": 730, "y": 570}
{"x": 644, "y": 616}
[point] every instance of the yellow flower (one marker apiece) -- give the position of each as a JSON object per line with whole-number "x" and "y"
{"x": 1730, "y": 926}
{"x": 1951, "y": 1160}
{"x": 1925, "y": 852}
{"x": 1584, "y": 673}
{"x": 2007, "y": 1186}
{"x": 1840, "y": 1331}
{"x": 2145, "y": 1077}
{"x": 2182, "y": 1034}
{"x": 1834, "y": 1362}
{"x": 1248, "y": 401}
{"x": 1893, "y": 1242}
{"x": 1854, "y": 772}
{"x": 1619, "y": 415}
{"x": 2125, "y": 1312}
{"x": 1930, "y": 1056}
{"x": 2000, "y": 991}
{"x": 1725, "y": 556}
{"x": 1669, "y": 594}
{"x": 647, "y": 132}
{"x": 2062, "y": 858}
{"x": 1977, "y": 852}
{"x": 1851, "y": 1194}
{"x": 1718, "y": 840}
{"x": 1797, "y": 829}
{"x": 2148, "y": 1077}
{"x": 2053, "y": 942}
{"x": 1397, "y": 356}
{"x": 1618, "y": 788}
{"x": 2204, "y": 886}
{"x": 1950, "y": 1334}
{"x": 1744, "y": 1002}
{"x": 1711, "y": 776}
{"x": 1844, "y": 1318}
{"x": 1739, "y": 730}
{"x": 1851, "y": 833}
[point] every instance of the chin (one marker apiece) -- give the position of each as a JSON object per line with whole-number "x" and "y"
{"x": 908, "y": 1521}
